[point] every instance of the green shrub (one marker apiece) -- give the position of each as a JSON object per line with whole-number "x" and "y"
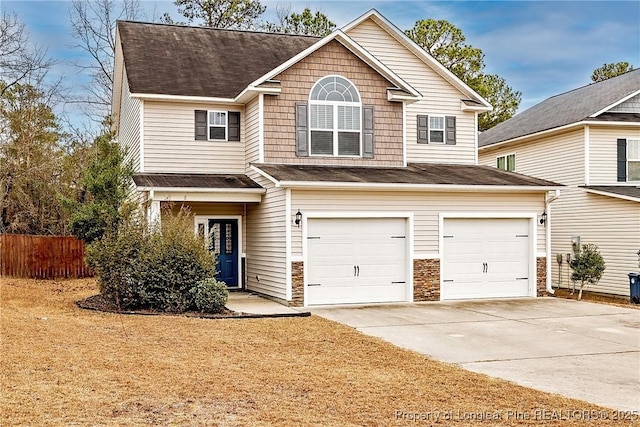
{"x": 152, "y": 267}
{"x": 588, "y": 266}
{"x": 210, "y": 295}
{"x": 114, "y": 259}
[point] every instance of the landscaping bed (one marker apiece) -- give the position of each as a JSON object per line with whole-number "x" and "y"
{"x": 62, "y": 365}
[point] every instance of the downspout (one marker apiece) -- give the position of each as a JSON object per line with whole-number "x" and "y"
{"x": 547, "y": 208}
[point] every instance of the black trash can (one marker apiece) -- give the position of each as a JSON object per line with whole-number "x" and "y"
{"x": 634, "y": 288}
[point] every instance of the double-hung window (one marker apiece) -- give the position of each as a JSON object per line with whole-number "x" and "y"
{"x": 507, "y": 162}
{"x": 215, "y": 125}
{"x": 633, "y": 159}
{"x": 436, "y": 129}
{"x": 335, "y": 112}
{"x": 218, "y": 125}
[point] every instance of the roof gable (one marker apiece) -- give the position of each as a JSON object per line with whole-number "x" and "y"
{"x": 565, "y": 109}
{"x": 383, "y": 23}
{"x": 203, "y": 62}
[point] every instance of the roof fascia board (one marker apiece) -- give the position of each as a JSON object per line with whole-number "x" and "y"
{"x": 614, "y": 195}
{"x": 395, "y": 32}
{"x": 618, "y": 102}
{"x": 182, "y": 98}
{"x": 355, "y": 48}
{"x": 532, "y": 135}
{"x": 428, "y": 187}
{"x": 265, "y": 175}
{"x": 558, "y": 129}
{"x": 201, "y": 190}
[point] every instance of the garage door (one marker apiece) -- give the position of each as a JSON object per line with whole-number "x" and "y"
{"x": 486, "y": 258}
{"x": 356, "y": 260}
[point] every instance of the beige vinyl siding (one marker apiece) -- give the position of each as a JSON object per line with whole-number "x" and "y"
{"x": 558, "y": 158}
{"x": 611, "y": 224}
{"x": 129, "y": 125}
{"x": 252, "y": 133}
{"x": 266, "y": 248}
{"x": 426, "y": 208}
{"x": 440, "y": 97}
{"x": 631, "y": 105}
{"x": 603, "y": 152}
{"x": 170, "y": 145}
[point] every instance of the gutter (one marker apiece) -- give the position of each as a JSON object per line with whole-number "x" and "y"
{"x": 547, "y": 208}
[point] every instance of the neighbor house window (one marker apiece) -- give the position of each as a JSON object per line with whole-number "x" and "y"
{"x": 507, "y": 162}
{"x": 335, "y": 112}
{"x": 436, "y": 129}
{"x": 633, "y": 159}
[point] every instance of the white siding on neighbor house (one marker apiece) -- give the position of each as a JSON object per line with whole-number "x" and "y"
{"x": 266, "y": 247}
{"x": 558, "y": 158}
{"x": 170, "y": 145}
{"x": 603, "y": 152}
{"x": 252, "y": 132}
{"x": 611, "y": 224}
{"x": 440, "y": 97}
{"x": 129, "y": 125}
{"x": 425, "y": 206}
{"x": 631, "y": 105}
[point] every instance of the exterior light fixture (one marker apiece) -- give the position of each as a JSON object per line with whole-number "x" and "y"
{"x": 298, "y": 218}
{"x": 543, "y": 218}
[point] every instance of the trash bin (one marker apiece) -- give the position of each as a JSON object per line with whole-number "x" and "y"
{"x": 634, "y": 288}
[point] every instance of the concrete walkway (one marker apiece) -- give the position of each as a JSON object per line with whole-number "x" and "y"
{"x": 583, "y": 350}
{"x": 250, "y": 303}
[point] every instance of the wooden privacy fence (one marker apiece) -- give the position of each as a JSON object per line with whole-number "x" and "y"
{"x": 42, "y": 257}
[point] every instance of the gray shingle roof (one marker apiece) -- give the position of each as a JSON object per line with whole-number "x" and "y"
{"x": 620, "y": 190}
{"x": 178, "y": 60}
{"x": 560, "y": 110}
{"x": 414, "y": 173}
{"x": 192, "y": 180}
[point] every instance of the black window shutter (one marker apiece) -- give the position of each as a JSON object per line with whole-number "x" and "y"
{"x": 234, "y": 126}
{"x": 368, "y": 140}
{"x": 201, "y": 125}
{"x": 622, "y": 160}
{"x": 450, "y": 130}
{"x": 423, "y": 129}
{"x": 302, "y": 130}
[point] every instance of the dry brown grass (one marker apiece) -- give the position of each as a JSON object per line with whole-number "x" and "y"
{"x": 65, "y": 366}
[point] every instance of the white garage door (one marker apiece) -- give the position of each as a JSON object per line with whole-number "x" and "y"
{"x": 486, "y": 258}
{"x": 356, "y": 260}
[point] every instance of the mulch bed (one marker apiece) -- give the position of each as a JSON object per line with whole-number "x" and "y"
{"x": 620, "y": 301}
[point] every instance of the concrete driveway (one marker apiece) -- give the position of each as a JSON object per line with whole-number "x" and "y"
{"x": 577, "y": 349}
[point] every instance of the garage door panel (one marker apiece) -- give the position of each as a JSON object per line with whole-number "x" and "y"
{"x": 375, "y": 247}
{"x": 485, "y": 258}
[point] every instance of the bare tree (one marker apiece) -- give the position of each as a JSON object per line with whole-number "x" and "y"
{"x": 229, "y": 14}
{"x": 93, "y": 25}
{"x": 20, "y": 60}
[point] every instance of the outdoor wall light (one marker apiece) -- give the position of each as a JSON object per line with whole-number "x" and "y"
{"x": 298, "y": 218}
{"x": 543, "y": 218}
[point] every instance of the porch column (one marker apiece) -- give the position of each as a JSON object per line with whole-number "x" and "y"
{"x": 153, "y": 212}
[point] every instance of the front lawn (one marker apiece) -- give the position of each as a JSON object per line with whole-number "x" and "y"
{"x": 61, "y": 365}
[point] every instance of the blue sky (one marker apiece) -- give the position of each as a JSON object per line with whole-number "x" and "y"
{"x": 541, "y": 48}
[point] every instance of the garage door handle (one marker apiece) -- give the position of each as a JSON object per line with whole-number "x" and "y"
{"x": 358, "y": 271}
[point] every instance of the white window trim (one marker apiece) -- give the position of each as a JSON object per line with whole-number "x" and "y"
{"x": 506, "y": 162}
{"x": 226, "y": 126}
{"x": 630, "y": 159}
{"x": 335, "y": 130}
{"x": 443, "y": 130}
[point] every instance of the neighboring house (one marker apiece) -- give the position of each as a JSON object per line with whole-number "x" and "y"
{"x": 326, "y": 170}
{"x": 589, "y": 140}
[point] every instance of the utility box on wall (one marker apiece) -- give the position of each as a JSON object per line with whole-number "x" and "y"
{"x": 634, "y": 288}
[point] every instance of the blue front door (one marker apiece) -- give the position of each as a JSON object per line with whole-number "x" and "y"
{"x": 223, "y": 242}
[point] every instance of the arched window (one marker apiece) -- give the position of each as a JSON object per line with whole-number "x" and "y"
{"x": 335, "y": 118}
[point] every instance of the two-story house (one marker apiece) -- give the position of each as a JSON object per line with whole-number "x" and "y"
{"x": 326, "y": 170}
{"x": 589, "y": 140}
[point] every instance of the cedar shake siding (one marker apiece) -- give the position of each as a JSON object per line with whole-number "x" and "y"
{"x": 297, "y": 81}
